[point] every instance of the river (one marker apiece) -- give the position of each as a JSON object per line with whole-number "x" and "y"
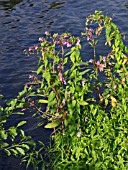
{"x": 22, "y": 22}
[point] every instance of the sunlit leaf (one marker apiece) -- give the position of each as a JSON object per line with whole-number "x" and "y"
{"x": 113, "y": 101}
{"x": 42, "y": 101}
{"x": 83, "y": 103}
{"x": 20, "y": 150}
{"x": 21, "y": 123}
{"x": 53, "y": 124}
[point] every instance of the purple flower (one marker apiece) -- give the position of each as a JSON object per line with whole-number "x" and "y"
{"x": 30, "y": 49}
{"x": 108, "y": 85}
{"x": 97, "y": 63}
{"x": 101, "y": 67}
{"x": 83, "y": 83}
{"x": 36, "y": 47}
{"x": 30, "y": 76}
{"x": 115, "y": 86}
{"x": 90, "y": 30}
{"x": 79, "y": 134}
{"x": 78, "y": 42}
{"x": 63, "y": 101}
{"x": 88, "y": 38}
{"x": 104, "y": 59}
{"x": 26, "y": 85}
{"x": 69, "y": 44}
{"x": 68, "y": 94}
{"x": 23, "y": 109}
{"x": 31, "y": 103}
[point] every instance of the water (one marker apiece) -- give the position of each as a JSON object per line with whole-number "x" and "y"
{"x": 22, "y": 22}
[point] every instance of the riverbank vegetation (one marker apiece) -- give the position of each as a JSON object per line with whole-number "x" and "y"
{"x": 84, "y": 102}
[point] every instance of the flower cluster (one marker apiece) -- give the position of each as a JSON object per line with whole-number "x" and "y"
{"x": 89, "y": 34}
{"x": 62, "y": 79}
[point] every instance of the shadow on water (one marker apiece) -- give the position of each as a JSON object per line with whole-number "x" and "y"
{"x": 9, "y": 4}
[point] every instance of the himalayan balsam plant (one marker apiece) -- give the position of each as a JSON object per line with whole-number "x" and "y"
{"x": 89, "y": 116}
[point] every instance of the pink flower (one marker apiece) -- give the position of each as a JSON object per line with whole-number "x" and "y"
{"x": 101, "y": 67}
{"x": 108, "y": 85}
{"x": 40, "y": 39}
{"x": 97, "y": 63}
{"x": 78, "y": 42}
{"x": 90, "y": 30}
{"x": 68, "y": 94}
{"x": 63, "y": 101}
{"x": 30, "y": 49}
{"x": 104, "y": 59}
{"x": 86, "y": 119}
{"x": 69, "y": 44}
{"x": 36, "y": 47}
{"x": 88, "y": 38}
{"x": 72, "y": 97}
{"x": 46, "y": 33}
{"x": 30, "y": 76}
{"x": 26, "y": 85}
{"x": 31, "y": 103}
{"x": 115, "y": 86}
{"x": 83, "y": 83}
{"x": 23, "y": 109}
{"x": 79, "y": 134}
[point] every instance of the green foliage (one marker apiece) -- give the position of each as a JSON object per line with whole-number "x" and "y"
{"x": 89, "y": 117}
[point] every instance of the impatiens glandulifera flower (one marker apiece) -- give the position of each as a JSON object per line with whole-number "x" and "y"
{"x": 101, "y": 67}
{"x": 83, "y": 83}
{"x": 104, "y": 59}
{"x": 63, "y": 101}
{"x": 79, "y": 134}
{"x": 115, "y": 86}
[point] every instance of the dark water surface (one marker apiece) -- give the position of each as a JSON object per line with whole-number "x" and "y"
{"x": 22, "y": 22}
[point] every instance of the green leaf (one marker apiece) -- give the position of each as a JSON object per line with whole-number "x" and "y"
{"x": 3, "y": 145}
{"x": 53, "y": 124}
{"x": 42, "y": 101}
{"x": 39, "y": 70}
{"x": 25, "y": 146}
{"x": 21, "y": 123}
{"x": 3, "y": 134}
{"x": 1, "y": 96}
{"x": 72, "y": 56}
{"x": 20, "y": 150}
{"x": 51, "y": 96}
{"x": 14, "y": 151}
{"x": 85, "y": 71}
{"x": 7, "y": 152}
{"x": 13, "y": 131}
{"x": 83, "y": 103}
{"x": 51, "y": 103}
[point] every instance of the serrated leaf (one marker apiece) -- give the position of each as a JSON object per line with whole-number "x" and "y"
{"x": 53, "y": 124}
{"x": 83, "y": 103}
{"x": 21, "y": 123}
